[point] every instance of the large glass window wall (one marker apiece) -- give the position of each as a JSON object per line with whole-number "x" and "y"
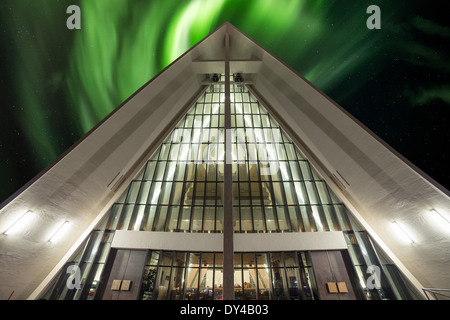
{"x": 199, "y": 276}
{"x": 182, "y": 276}
{"x": 275, "y": 189}
{"x": 180, "y": 189}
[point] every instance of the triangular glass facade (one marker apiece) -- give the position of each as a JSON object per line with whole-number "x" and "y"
{"x": 275, "y": 189}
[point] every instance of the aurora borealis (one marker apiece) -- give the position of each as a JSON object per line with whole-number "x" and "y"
{"x": 56, "y": 84}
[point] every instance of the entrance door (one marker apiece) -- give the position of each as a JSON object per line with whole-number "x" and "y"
{"x": 126, "y": 275}
{"x": 333, "y": 281}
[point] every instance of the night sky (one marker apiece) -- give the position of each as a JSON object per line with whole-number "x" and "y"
{"x": 56, "y": 84}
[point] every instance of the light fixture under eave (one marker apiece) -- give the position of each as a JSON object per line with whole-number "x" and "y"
{"x": 439, "y": 221}
{"x": 20, "y": 223}
{"x": 58, "y": 232}
{"x": 402, "y": 233}
{"x": 439, "y": 216}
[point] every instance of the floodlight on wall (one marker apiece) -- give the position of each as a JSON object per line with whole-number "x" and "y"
{"x": 19, "y": 224}
{"x": 58, "y": 232}
{"x": 439, "y": 221}
{"x": 402, "y": 233}
{"x": 439, "y": 217}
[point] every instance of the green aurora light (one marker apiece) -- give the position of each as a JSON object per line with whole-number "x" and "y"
{"x": 62, "y": 82}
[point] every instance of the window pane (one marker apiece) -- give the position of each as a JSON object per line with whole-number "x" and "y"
{"x": 192, "y": 277}
{"x": 199, "y": 193}
{"x": 210, "y": 196}
{"x": 323, "y": 192}
{"x": 265, "y": 120}
{"x": 289, "y": 193}
{"x": 278, "y": 280}
{"x": 290, "y": 151}
{"x": 334, "y": 198}
{"x": 284, "y": 170}
{"x": 148, "y": 175}
{"x": 218, "y": 284}
{"x": 278, "y": 193}
{"x": 114, "y": 217}
{"x": 207, "y": 260}
{"x": 308, "y": 219}
{"x": 312, "y": 192}
{"x": 252, "y": 153}
{"x": 194, "y": 259}
{"x": 219, "y": 219}
{"x": 237, "y": 260}
{"x": 290, "y": 260}
{"x": 300, "y": 192}
{"x": 255, "y": 192}
{"x": 159, "y": 173}
{"x": 236, "y": 219}
{"x": 133, "y": 191}
{"x": 197, "y": 218}
{"x": 125, "y": 217}
{"x": 264, "y": 284}
{"x": 211, "y": 172}
{"x": 220, "y": 193}
{"x": 177, "y": 193}
{"x": 320, "y": 224}
{"x": 307, "y": 284}
{"x": 208, "y": 224}
{"x": 143, "y": 194}
{"x": 180, "y": 259}
{"x": 173, "y": 156}
{"x": 173, "y": 218}
{"x": 246, "y": 219}
{"x": 342, "y": 218}
{"x": 283, "y": 223}
{"x": 295, "y": 224}
{"x": 149, "y": 216}
{"x": 266, "y": 191}
{"x": 160, "y": 221}
{"x": 330, "y": 216}
{"x": 139, "y": 213}
{"x": 154, "y": 194}
{"x": 166, "y": 190}
{"x": 162, "y": 283}
{"x": 148, "y": 283}
{"x": 295, "y": 171}
{"x": 253, "y": 171}
{"x": 258, "y": 219}
{"x": 243, "y": 171}
{"x": 166, "y": 258}
{"x": 185, "y": 219}
{"x": 270, "y": 219}
{"x": 275, "y": 259}
{"x": 238, "y": 284}
{"x": 201, "y": 172}
{"x": 305, "y": 170}
{"x": 190, "y": 171}
{"x": 236, "y": 193}
{"x": 177, "y": 282}
{"x": 249, "y": 284}
{"x": 206, "y": 284}
{"x": 293, "y": 283}
{"x": 248, "y": 260}
{"x": 261, "y": 260}
{"x": 244, "y": 193}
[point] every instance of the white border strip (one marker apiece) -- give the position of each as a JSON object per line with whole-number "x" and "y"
{"x": 250, "y": 242}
